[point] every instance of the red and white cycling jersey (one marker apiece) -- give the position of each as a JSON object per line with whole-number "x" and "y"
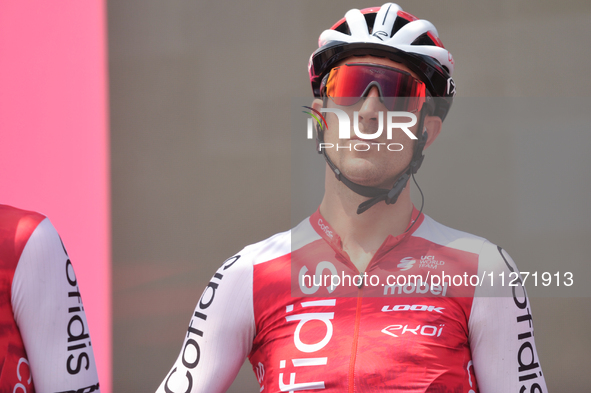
{"x": 44, "y": 342}
{"x": 302, "y": 333}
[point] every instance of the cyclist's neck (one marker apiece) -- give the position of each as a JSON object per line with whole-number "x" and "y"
{"x": 363, "y": 234}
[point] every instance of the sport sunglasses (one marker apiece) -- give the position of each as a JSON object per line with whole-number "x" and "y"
{"x": 346, "y": 85}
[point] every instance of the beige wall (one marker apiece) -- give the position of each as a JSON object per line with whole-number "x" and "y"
{"x": 201, "y": 95}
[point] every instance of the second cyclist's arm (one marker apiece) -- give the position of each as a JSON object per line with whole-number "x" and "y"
{"x": 48, "y": 310}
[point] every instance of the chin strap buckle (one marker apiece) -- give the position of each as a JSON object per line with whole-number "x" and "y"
{"x": 337, "y": 173}
{"x": 393, "y": 194}
{"x": 416, "y": 164}
{"x": 418, "y": 156}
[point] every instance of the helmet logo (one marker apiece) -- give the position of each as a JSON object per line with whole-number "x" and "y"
{"x": 379, "y": 34}
{"x": 450, "y": 58}
{"x": 451, "y": 87}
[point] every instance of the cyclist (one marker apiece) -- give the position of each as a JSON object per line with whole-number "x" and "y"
{"x": 45, "y": 344}
{"x": 364, "y": 329}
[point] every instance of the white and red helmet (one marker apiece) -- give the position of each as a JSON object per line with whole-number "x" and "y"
{"x": 388, "y": 32}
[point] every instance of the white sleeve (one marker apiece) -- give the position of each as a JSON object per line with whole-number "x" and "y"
{"x": 501, "y": 330}
{"x": 220, "y": 333}
{"x": 49, "y": 313}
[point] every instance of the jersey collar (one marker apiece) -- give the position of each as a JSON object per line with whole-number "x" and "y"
{"x": 326, "y": 231}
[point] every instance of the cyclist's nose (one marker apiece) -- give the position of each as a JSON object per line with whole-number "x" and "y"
{"x": 371, "y": 106}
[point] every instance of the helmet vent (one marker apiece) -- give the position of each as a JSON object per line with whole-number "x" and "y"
{"x": 423, "y": 39}
{"x": 343, "y": 28}
{"x": 398, "y": 24}
{"x": 370, "y": 18}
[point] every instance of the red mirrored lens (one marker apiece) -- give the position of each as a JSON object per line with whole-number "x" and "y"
{"x": 399, "y": 90}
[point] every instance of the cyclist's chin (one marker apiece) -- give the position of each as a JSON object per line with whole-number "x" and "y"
{"x": 363, "y": 171}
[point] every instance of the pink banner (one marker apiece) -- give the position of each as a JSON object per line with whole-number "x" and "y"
{"x": 54, "y": 148}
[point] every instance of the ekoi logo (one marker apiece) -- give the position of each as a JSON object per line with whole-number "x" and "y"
{"x": 379, "y": 34}
{"x": 406, "y": 263}
{"x": 451, "y": 85}
{"x": 424, "y": 330}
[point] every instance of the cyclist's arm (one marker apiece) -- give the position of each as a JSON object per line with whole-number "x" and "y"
{"x": 49, "y": 313}
{"x": 501, "y": 330}
{"x": 220, "y": 333}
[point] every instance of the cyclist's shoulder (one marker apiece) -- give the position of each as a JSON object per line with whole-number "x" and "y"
{"x": 17, "y": 227}
{"x": 435, "y": 232}
{"x": 263, "y": 251}
{"x": 8, "y": 209}
{"x": 279, "y": 245}
{"x": 14, "y": 218}
{"x": 491, "y": 257}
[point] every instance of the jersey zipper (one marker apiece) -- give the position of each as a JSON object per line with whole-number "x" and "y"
{"x": 351, "y": 377}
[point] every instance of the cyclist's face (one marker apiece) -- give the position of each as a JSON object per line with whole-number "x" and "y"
{"x": 374, "y": 162}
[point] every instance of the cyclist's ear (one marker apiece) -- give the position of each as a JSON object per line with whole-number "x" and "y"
{"x": 433, "y": 125}
{"x": 317, "y": 104}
